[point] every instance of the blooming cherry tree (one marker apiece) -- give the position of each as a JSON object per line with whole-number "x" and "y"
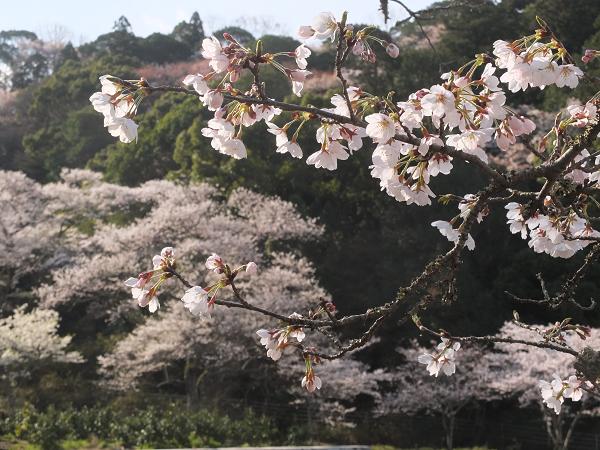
{"x": 466, "y": 379}
{"x": 551, "y": 203}
{"x": 29, "y": 340}
{"x": 546, "y": 378}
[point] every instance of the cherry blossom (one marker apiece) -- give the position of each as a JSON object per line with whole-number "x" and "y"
{"x": 589, "y": 55}
{"x": 198, "y": 82}
{"x": 439, "y": 163}
{"x": 438, "y": 102}
{"x": 196, "y": 301}
{"x": 324, "y": 25}
{"x": 251, "y": 268}
{"x": 569, "y": 75}
{"x": 290, "y": 147}
{"x": 392, "y": 50}
{"x": 298, "y": 78}
{"x": 328, "y": 156}
{"x": 581, "y": 115}
{"x": 213, "y": 99}
{"x": 452, "y": 234}
{"x": 212, "y": 50}
{"x": 301, "y": 53}
{"x": 442, "y": 360}
{"x": 123, "y": 128}
{"x": 265, "y": 112}
{"x": 311, "y": 381}
{"x": 215, "y": 263}
{"x": 233, "y": 147}
{"x": 280, "y": 134}
{"x": 380, "y": 128}
{"x": 552, "y": 394}
{"x": 471, "y": 141}
{"x": 306, "y": 32}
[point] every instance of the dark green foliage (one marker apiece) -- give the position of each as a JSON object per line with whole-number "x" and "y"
{"x": 275, "y": 44}
{"x": 190, "y": 33}
{"x": 152, "y": 156}
{"x": 160, "y": 48}
{"x": 170, "y": 426}
{"x": 244, "y": 37}
{"x": 63, "y": 130}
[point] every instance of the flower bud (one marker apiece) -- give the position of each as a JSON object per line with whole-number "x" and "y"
{"x": 392, "y": 50}
{"x": 251, "y": 268}
{"x": 589, "y": 55}
{"x": 358, "y": 47}
{"x": 306, "y": 32}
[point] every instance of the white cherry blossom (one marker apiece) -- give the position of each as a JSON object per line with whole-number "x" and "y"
{"x": 123, "y": 128}
{"x": 196, "y": 301}
{"x": 381, "y": 128}
{"x": 452, "y": 234}
{"x": 328, "y": 156}
{"x": 324, "y": 25}
{"x": 198, "y": 82}
{"x": 298, "y": 78}
{"x": 301, "y": 53}
{"x": 438, "y": 102}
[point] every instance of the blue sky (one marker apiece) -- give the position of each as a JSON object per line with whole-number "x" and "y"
{"x": 85, "y": 20}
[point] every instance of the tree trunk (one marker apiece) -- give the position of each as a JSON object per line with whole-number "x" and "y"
{"x": 448, "y": 424}
{"x": 554, "y": 429}
{"x": 570, "y": 431}
{"x": 190, "y": 376}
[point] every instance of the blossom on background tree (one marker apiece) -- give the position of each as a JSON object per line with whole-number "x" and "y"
{"x": 191, "y": 216}
{"x": 29, "y": 341}
{"x": 206, "y": 344}
{"x": 414, "y": 391}
{"x": 345, "y": 380}
{"x": 415, "y": 141}
{"x": 545, "y": 378}
{"x": 196, "y": 217}
{"x": 28, "y": 338}
{"x": 28, "y": 232}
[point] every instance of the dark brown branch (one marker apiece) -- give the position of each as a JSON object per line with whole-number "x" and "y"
{"x": 339, "y": 62}
{"x": 496, "y": 339}
{"x": 447, "y": 263}
{"x": 414, "y": 15}
{"x": 472, "y": 159}
{"x": 567, "y": 290}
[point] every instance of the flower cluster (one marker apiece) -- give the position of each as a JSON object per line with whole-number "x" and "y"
{"x": 468, "y": 110}
{"x": 415, "y": 140}
{"x": 285, "y": 340}
{"x": 452, "y": 234}
{"x": 118, "y": 104}
{"x": 280, "y": 341}
{"x": 589, "y": 55}
{"x": 163, "y": 265}
{"x": 325, "y": 26}
{"x": 558, "y": 233}
{"x": 555, "y": 392}
{"x": 531, "y": 63}
{"x": 198, "y": 300}
{"x": 442, "y": 360}
{"x": 310, "y": 381}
